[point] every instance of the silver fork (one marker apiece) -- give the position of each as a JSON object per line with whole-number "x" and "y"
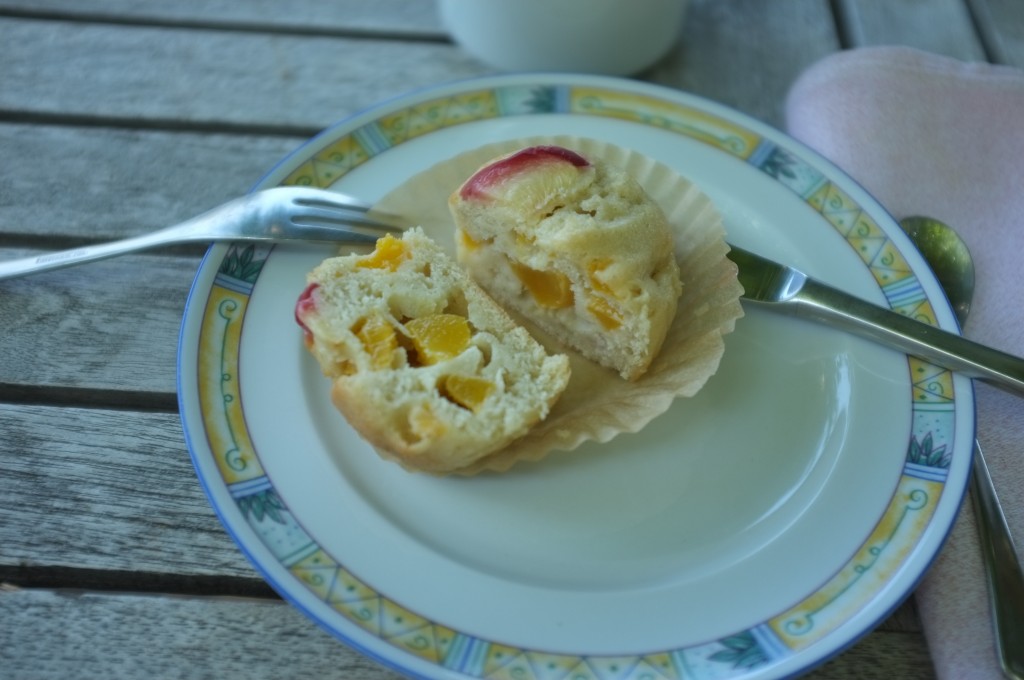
{"x": 279, "y": 214}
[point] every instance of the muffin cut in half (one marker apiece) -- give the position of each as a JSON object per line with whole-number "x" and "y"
{"x": 577, "y": 247}
{"x": 425, "y": 366}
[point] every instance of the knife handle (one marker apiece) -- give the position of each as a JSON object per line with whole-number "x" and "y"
{"x": 820, "y": 302}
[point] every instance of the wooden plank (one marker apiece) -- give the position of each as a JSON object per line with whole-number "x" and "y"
{"x": 1001, "y": 25}
{"x": 110, "y": 325}
{"x": 395, "y": 17}
{"x": 742, "y": 53}
{"x": 100, "y": 183}
{"x": 176, "y": 77}
{"x": 139, "y": 73}
{"x": 46, "y": 634}
{"x": 940, "y": 26}
{"x": 106, "y": 491}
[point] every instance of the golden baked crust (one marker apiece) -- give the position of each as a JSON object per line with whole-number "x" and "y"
{"x": 425, "y": 366}
{"x": 577, "y": 247}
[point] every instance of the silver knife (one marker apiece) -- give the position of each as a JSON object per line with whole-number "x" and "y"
{"x": 789, "y": 290}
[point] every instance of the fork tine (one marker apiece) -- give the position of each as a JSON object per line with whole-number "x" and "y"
{"x": 322, "y": 207}
{"x": 310, "y": 193}
{"x": 325, "y": 200}
{"x": 316, "y": 216}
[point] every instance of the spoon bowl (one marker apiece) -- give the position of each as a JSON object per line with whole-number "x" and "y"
{"x": 949, "y": 258}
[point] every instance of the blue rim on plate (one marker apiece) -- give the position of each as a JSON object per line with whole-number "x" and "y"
{"x": 231, "y": 456}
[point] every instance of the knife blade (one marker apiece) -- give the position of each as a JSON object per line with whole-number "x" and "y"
{"x": 788, "y": 290}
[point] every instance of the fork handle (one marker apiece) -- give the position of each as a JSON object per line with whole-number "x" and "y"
{"x": 66, "y": 258}
{"x": 207, "y": 226}
{"x": 818, "y": 301}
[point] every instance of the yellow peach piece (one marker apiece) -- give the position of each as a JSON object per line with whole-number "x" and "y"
{"x": 550, "y": 289}
{"x": 467, "y": 391}
{"x": 424, "y": 424}
{"x": 608, "y": 316}
{"x": 378, "y": 338}
{"x": 389, "y": 253}
{"x": 439, "y": 337}
{"x": 466, "y": 241}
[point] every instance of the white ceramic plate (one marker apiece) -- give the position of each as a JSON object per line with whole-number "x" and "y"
{"x": 752, "y": 531}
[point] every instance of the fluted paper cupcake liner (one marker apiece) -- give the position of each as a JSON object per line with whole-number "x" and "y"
{"x": 598, "y": 404}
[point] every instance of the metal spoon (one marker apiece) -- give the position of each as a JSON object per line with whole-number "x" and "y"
{"x": 951, "y": 261}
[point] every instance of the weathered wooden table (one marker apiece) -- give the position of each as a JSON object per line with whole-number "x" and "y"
{"x": 117, "y": 117}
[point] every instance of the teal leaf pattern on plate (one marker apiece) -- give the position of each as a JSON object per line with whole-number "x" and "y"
{"x": 780, "y": 164}
{"x": 241, "y": 264}
{"x": 741, "y": 651}
{"x": 542, "y": 100}
{"x": 925, "y": 452}
{"x": 262, "y": 504}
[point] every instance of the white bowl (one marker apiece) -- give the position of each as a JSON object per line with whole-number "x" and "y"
{"x": 611, "y": 37}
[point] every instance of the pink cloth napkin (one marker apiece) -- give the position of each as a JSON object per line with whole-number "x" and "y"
{"x": 929, "y": 135}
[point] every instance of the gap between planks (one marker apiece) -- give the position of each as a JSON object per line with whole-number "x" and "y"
{"x": 230, "y": 26}
{"x": 73, "y": 579}
{"x": 84, "y": 397}
{"x": 156, "y": 124}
